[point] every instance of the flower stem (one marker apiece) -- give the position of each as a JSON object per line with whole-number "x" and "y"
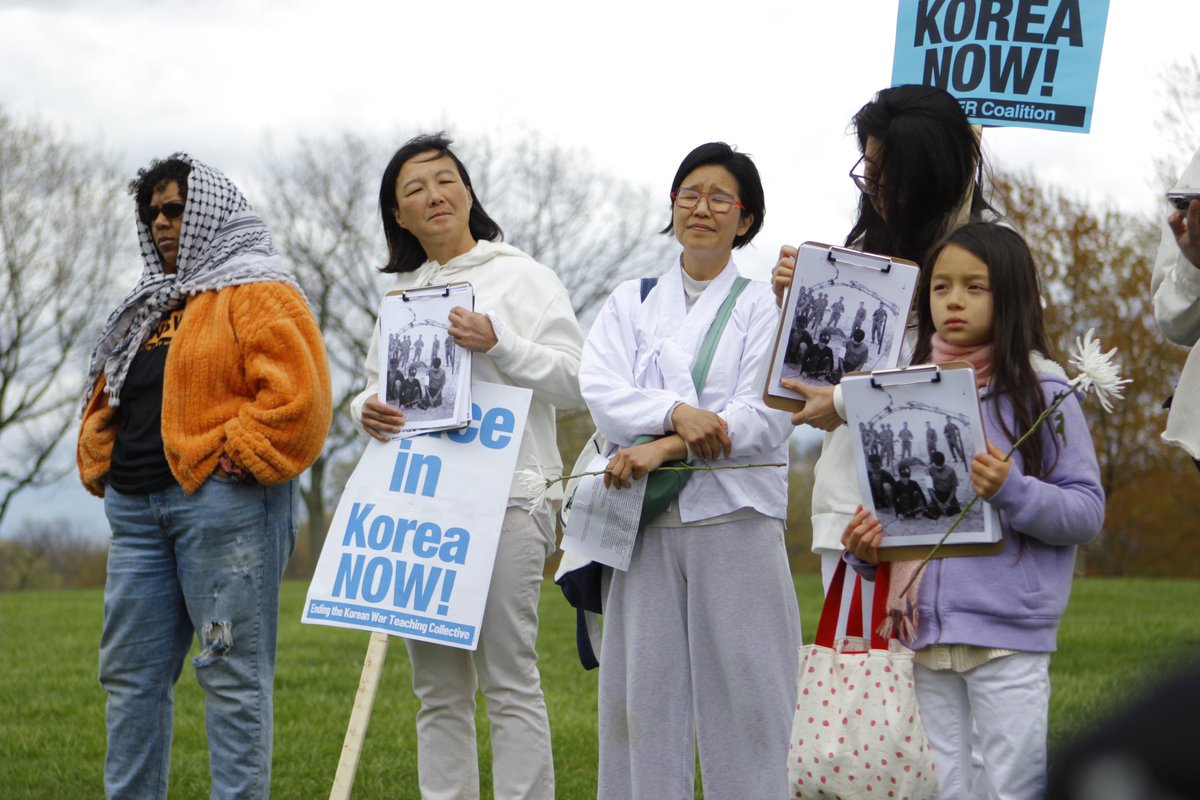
{"x": 666, "y": 467}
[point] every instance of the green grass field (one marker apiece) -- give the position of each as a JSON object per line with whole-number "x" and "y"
{"x": 1117, "y": 638}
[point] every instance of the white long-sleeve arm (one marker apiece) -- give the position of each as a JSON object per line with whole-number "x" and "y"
{"x": 621, "y": 410}
{"x": 547, "y": 361}
{"x": 1176, "y": 287}
{"x": 371, "y": 368}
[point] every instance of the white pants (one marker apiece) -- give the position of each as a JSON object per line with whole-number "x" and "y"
{"x": 829, "y": 562}
{"x": 505, "y": 668}
{"x": 1007, "y": 700}
{"x": 702, "y": 631}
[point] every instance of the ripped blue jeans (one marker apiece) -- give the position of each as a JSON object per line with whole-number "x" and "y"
{"x": 207, "y": 565}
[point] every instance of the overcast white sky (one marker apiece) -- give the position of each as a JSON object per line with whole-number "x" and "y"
{"x": 636, "y": 84}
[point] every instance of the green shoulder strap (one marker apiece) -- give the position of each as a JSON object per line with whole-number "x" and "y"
{"x": 709, "y": 346}
{"x": 663, "y": 486}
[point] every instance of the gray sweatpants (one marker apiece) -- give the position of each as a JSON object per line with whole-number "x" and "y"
{"x": 703, "y": 626}
{"x": 504, "y": 667}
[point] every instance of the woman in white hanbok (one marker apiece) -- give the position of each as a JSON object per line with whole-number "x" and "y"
{"x": 701, "y": 631}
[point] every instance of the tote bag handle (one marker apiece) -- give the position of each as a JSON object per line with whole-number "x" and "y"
{"x": 827, "y": 627}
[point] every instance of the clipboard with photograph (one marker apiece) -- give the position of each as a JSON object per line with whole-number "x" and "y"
{"x": 422, "y": 371}
{"x": 844, "y": 312}
{"x": 914, "y": 432}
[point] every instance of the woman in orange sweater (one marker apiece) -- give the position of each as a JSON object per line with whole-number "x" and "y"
{"x": 208, "y": 393}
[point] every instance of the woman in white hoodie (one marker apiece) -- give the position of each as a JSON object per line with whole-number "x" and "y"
{"x": 527, "y": 335}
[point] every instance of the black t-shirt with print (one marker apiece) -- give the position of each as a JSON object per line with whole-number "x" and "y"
{"x": 139, "y": 465}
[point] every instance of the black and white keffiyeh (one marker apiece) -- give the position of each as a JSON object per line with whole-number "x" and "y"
{"x": 222, "y": 242}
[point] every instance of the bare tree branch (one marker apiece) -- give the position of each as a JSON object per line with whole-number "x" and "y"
{"x": 60, "y": 235}
{"x": 1180, "y": 120}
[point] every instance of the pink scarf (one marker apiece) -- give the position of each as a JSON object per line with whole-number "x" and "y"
{"x": 902, "y": 605}
{"x": 979, "y": 356}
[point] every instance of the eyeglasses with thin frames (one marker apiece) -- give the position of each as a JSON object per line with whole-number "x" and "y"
{"x": 171, "y": 210}
{"x": 718, "y": 202}
{"x": 866, "y": 184}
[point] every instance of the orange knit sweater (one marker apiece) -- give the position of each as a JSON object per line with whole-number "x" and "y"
{"x": 246, "y": 375}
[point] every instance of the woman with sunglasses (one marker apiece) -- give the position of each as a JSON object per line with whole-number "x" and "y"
{"x": 207, "y": 394}
{"x": 920, "y": 176}
{"x": 700, "y": 633}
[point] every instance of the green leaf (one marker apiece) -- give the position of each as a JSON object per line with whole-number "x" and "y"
{"x": 1060, "y": 427}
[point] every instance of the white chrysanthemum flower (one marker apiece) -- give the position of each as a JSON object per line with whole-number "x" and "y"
{"x": 534, "y": 484}
{"x": 1097, "y": 371}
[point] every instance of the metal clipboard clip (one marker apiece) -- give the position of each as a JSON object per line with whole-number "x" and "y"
{"x": 844, "y": 255}
{"x": 407, "y": 294}
{"x": 904, "y": 376}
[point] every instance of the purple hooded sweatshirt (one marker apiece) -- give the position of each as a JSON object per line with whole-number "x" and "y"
{"x": 1015, "y": 599}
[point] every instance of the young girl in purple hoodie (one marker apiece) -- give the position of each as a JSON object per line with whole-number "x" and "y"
{"x": 983, "y": 627}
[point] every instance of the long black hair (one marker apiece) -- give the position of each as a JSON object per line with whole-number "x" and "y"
{"x": 405, "y": 252}
{"x": 931, "y": 158}
{"x": 1018, "y": 328}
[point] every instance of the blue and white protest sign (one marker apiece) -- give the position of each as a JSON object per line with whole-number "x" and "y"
{"x": 411, "y": 546}
{"x": 1029, "y": 63}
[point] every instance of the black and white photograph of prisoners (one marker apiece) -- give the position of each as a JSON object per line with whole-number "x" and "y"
{"x": 838, "y": 328}
{"x": 913, "y": 447}
{"x": 845, "y": 313}
{"x": 919, "y": 471}
{"x": 422, "y": 367}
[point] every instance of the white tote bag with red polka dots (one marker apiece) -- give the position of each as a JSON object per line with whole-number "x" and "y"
{"x": 857, "y": 732}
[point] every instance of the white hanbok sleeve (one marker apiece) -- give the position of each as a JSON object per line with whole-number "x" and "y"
{"x": 621, "y": 410}
{"x": 753, "y": 427}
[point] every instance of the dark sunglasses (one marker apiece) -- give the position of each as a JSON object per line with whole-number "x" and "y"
{"x": 172, "y": 210}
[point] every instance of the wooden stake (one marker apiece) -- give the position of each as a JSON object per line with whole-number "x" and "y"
{"x": 360, "y": 716}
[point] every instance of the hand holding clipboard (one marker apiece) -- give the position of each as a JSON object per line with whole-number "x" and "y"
{"x": 844, "y": 311}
